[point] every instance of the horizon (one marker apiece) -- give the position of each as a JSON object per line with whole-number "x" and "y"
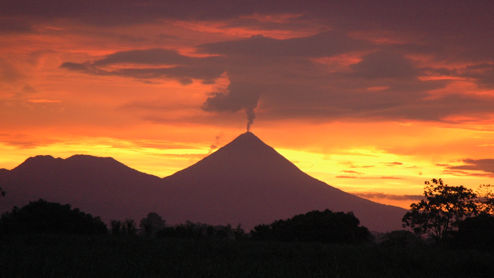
{"x": 371, "y": 99}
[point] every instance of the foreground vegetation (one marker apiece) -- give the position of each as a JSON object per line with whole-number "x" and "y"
{"x": 112, "y": 256}
{"x": 453, "y": 237}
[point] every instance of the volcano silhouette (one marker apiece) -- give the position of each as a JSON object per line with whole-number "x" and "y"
{"x": 245, "y": 182}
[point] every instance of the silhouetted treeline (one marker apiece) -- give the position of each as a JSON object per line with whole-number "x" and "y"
{"x": 202, "y": 231}
{"x": 126, "y": 227}
{"x": 45, "y": 217}
{"x": 315, "y": 226}
{"x": 400, "y": 238}
{"x": 322, "y": 226}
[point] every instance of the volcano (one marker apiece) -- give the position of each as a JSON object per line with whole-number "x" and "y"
{"x": 245, "y": 182}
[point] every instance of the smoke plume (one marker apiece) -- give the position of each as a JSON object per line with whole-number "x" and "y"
{"x": 250, "y": 117}
{"x": 239, "y": 96}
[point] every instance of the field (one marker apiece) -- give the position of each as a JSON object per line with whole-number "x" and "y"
{"x": 107, "y": 256}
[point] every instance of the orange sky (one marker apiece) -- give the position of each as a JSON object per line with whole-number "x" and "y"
{"x": 374, "y": 108}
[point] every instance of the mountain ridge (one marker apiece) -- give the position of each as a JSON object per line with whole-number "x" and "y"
{"x": 245, "y": 182}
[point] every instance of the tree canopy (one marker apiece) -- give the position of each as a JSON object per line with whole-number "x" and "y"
{"x": 151, "y": 224}
{"x": 322, "y": 226}
{"x": 46, "y": 217}
{"x": 202, "y": 231}
{"x": 476, "y": 232}
{"x": 443, "y": 208}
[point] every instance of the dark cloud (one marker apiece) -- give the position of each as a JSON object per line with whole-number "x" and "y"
{"x": 385, "y": 64}
{"x": 147, "y": 57}
{"x": 319, "y": 45}
{"x": 175, "y": 66}
{"x": 377, "y": 195}
{"x": 448, "y": 29}
{"x": 480, "y": 73}
{"x": 483, "y": 73}
{"x": 14, "y": 25}
{"x": 484, "y": 165}
{"x": 292, "y": 85}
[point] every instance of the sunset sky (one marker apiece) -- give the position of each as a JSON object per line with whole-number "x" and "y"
{"x": 372, "y": 97}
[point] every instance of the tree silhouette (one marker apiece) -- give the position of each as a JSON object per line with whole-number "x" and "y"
{"x": 126, "y": 227}
{"x": 116, "y": 227}
{"x": 322, "y": 226}
{"x": 2, "y": 192}
{"x": 151, "y": 224}
{"x": 441, "y": 210}
{"x": 45, "y": 217}
{"x": 129, "y": 227}
{"x": 400, "y": 238}
{"x": 486, "y": 199}
{"x": 193, "y": 230}
{"x": 476, "y": 232}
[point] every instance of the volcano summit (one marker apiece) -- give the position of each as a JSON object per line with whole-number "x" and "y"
{"x": 245, "y": 182}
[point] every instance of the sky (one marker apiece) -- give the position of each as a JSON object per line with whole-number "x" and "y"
{"x": 372, "y": 97}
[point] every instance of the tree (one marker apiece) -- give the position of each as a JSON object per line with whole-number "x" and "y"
{"x": 46, "y": 217}
{"x": 486, "y": 199}
{"x": 151, "y": 224}
{"x": 202, "y": 231}
{"x": 400, "y": 238}
{"x": 2, "y": 192}
{"x": 322, "y": 226}
{"x": 126, "y": 227}
{"x": 116, "y": 227}
{"x": 476, "y": 232}
{"x": 441, "y": 210}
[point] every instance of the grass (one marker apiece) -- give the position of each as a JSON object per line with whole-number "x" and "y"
{"x": 106, "y": 256}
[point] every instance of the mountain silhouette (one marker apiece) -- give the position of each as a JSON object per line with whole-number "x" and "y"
{"x": 98, "y": 185}
{"x": 245, "y": 182}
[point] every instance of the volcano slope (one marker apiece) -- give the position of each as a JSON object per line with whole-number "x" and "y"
{"x": 245, "y": 182}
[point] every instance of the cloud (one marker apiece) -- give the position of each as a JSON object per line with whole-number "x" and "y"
{"x": 483, "y": 73}
{"x": 484, "y": 165}
{"x": 385, "y": 64}
{"x": 9, "y": 25}
{"x": 145, "y": 64}
{"x": 368, "y": 177}
{"x": 351, "y": 172}
{"x": 394, "y": 163}
{"x": 283, "y": 78}
{"x": 319, "y": 45}
{"x": 24, "y": 140}
{"x": 377, "y": 195}
{"x": 447, "y": 29}
{"x": 8, "y": 72}
{"x": 147, "y": 57}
